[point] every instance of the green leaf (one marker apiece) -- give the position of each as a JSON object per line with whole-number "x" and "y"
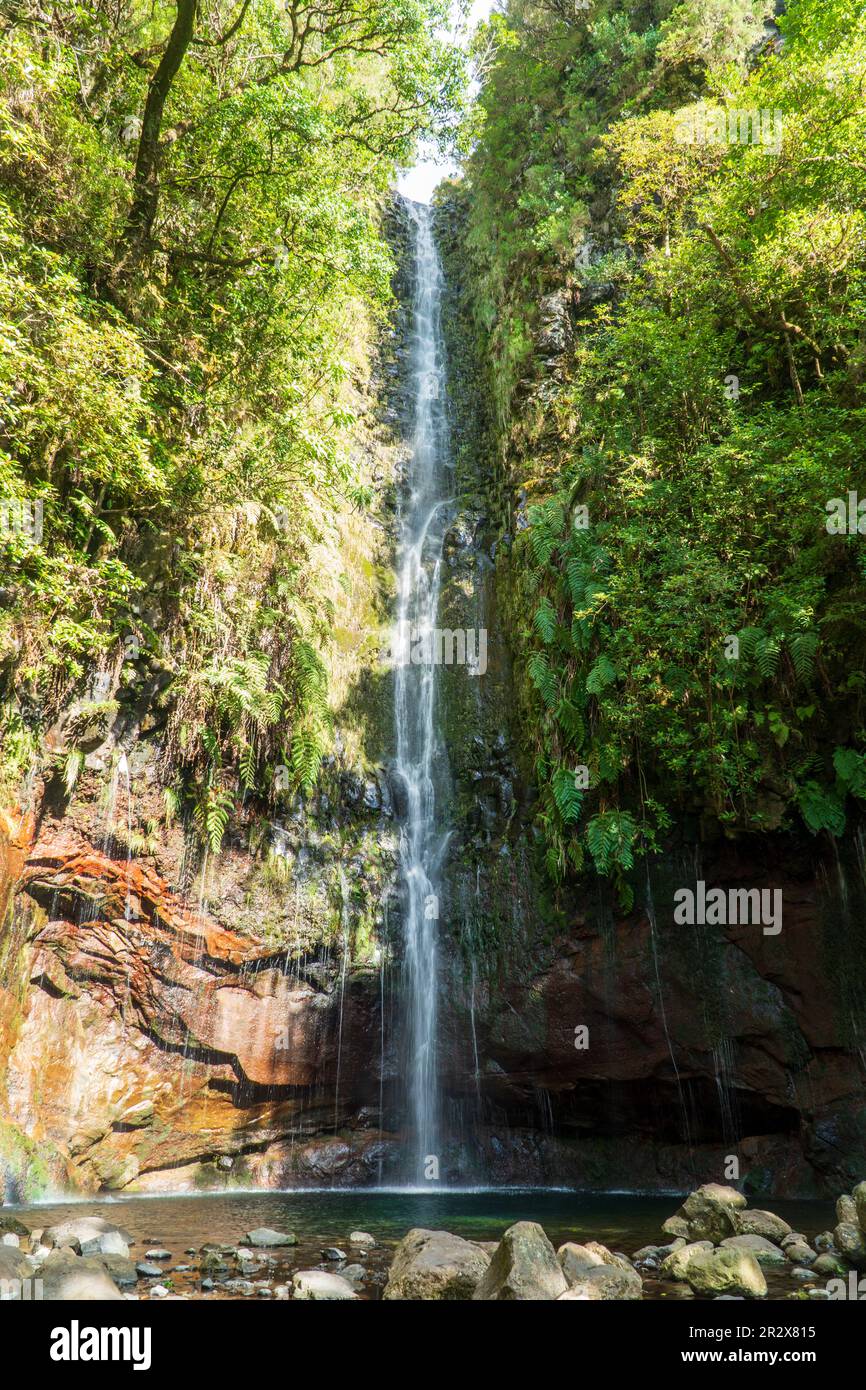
{"x": 602, "y": 675}
{"x": 568, "y": 797}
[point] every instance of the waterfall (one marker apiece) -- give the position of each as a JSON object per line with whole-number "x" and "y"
{"x": 425, "y": 506}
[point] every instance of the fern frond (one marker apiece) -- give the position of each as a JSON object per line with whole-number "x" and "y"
{"x": 545, "y": 621}
{"x": 566, "y": 794}
{"x": 543, "y": 678}
{"x": 804, "y": 650}
{"x": 603, "y": 674}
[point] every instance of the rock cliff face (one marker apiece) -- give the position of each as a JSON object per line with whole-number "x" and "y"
{"x": 148, "y": 1045}
{"x": 166, "y": 1022}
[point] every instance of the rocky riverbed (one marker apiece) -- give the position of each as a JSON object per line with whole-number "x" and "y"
{"x": 714, "y": 1245}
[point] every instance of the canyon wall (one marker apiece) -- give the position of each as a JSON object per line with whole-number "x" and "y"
{"x": 169, "y": 1019}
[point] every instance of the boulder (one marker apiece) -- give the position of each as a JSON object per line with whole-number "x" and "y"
{"x": 113, "y": 1243}
{"x": 649, "y": 1253}
{"x": 524, "y": 1266}
{"x": 264, "y": 1237}
{"x": 676, "y": 1226}
{"x": 726, "y": 1271}
{"x": 829, "y": 1265}
{"x": 846, "y": 1210}
{"x": 799, "y": 1253}
{"x": 717, "y": 1192}
{"x": 320, "y": 1287}
{"x": 761, "y": 1223}
{"x": 607, "y": 1257}
{"x": 10, "y": 1226}
{"x": 122, "y": 1271}
{"x": 435, "y": 1265}
{"x": 674, "y": 1265}
{"x": 793, "y": 1238}
{"x": 709, "y": 1212}
{"x": 607, "y": 1282}
{"x": 575, "y": 1260}
{"x": 715, "y": 1222}
{"x": 14, "y": 1264}
{"x": 652, "y": 1255}
{"x": 76, "y": 1279}
{"x": 850, "y": 1242}
{"x": 84, "y": 1234}
{"x": 764, "y": 1251}
{"x": 859, "y": 1196}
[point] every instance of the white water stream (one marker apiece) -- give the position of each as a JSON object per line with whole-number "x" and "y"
{"x": 420, "y": 754}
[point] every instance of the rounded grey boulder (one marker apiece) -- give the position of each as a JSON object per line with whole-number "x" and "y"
{"x": 435, "y": 1265}
{"x": 524, "y": 1266}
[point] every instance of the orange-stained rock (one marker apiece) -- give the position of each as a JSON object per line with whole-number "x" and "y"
{"x": 151, "y": 1038}
{"x": 67, "y": 862}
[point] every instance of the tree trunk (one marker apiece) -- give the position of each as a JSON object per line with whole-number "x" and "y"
{"x": 145, "y": 196}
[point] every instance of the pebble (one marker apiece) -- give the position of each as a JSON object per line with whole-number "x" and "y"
{"x": 148, "y": 1271}
{"x": 333, "y": 1253}
{"x": 157, "y": 1254}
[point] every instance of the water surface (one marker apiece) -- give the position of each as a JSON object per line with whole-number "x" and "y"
{"x": 327, "y": 1218}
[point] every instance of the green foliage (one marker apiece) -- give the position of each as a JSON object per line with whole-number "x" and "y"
{"x": 184, "y": 306}
{"x": 700, "y": 643}
{"x": 568, "y": 797}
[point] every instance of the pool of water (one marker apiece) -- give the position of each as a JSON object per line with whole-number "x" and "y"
{"x": 325, "y": 1219}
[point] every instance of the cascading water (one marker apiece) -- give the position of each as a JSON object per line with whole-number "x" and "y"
{"x": 420, "y": 754}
